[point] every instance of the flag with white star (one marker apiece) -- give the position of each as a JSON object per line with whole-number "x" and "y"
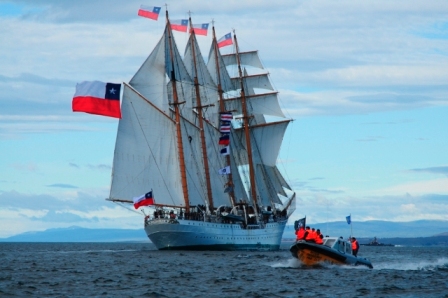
{"x": 97, "y": 98}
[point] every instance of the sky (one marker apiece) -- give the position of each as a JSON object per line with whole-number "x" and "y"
{"x": 366, "y": 83}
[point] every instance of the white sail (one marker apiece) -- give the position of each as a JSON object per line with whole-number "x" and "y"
{"x": 266, "y": 140}
{"x": 145, "y": 154}
{"x": 265, "y": 103}
{"x": 193, "y": 163}
{"x": 152, "y": 75}
{"x": 215, "y": 66}
{"x": 197, "y": 67}
{"x": 260, "y": 81}
{"x": 250, "y": 58}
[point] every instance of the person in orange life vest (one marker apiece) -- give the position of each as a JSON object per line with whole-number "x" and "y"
{"x": 307, "y": 232}
{"x": 355, "y": 246}
{"x": 311, "y": 235}
{"x": 320, "y": 239}
{"x": 314, "y": 235}
{"x": 300, "y": 233}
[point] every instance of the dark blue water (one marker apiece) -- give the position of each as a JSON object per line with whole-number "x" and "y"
{"x": 138, "y": 270}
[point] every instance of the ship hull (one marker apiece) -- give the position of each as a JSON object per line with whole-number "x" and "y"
{"x": 198, "y": 235}
{"x": 312, "y": 254}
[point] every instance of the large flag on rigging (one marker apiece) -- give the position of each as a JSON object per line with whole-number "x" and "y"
{"x": 349, "y": 219}
{"x": 200, "y": 29}
{"x": 179, "y": 25}
{"x": 143, "y": 200}
{"x": 151, "y": 12}
{"x": 95, "y": 97}
{"x": 226, "y": 40}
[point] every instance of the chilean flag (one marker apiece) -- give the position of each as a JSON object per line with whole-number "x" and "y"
{"x": 144, "y": 200}
{"x": 179, "y": 25}
{"x": 200, "y": 29}
{"x": 151, "y": 12}
{"x": 226, "y": 40}
{"x": 97, "y": 98}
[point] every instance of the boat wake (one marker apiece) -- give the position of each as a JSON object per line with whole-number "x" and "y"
{"x": 424, "y": 265}
{"x": 289, "y": 263}
{"x": 295, "y": 263}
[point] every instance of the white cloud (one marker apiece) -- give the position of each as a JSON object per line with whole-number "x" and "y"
{"x": 418, "y": 188}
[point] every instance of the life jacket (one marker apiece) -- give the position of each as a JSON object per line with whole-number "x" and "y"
{"x": 311, "y": 236}
{"x": 300, "y": 233}
{"x": 355, "y": 245}
{"x": 319, "y": 240}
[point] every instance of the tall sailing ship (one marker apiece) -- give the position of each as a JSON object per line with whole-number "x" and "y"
{"x": 200, "y": 140}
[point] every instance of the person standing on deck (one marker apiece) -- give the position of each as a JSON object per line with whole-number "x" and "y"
{"x": 310, "y": 236}
{"x": 355, "y": 246}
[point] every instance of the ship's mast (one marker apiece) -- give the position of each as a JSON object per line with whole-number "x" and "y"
{"x": 199, "y": 108}
{"x": 222, "y": 109}
{"x": 176, "y": 104}
{"x": 246, "y": 119}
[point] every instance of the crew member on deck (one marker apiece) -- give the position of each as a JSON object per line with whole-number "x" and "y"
{"x": 313, "y": 234}
{"x": 300, "y": 233}
{"x": 319, "y": 237}
{"x": 310, "y": 235}
{"x": 355, "y": 246}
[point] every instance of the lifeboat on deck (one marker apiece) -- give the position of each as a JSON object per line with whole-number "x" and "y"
{"x": 334, "y": 250}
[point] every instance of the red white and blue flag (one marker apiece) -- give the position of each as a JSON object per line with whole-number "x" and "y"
{"x": 151, "y": 12}
{"x": 225, "y": 126}
{"x": 226, "y": 40}
{"x": 179, "y": 25}
{"x": 200, "y": 29}
{"x": 224, "y": 140}
{"x": 95, "y": 97}
{"x": 143, "y": 200}
{"x": 226, "y": 116}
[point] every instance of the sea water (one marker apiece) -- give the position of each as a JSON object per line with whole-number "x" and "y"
{"x": 139, "y": 270}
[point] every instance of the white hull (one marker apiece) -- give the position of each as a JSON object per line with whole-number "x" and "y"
{"x": 200, "y": 235}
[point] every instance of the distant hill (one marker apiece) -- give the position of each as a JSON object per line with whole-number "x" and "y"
{"x": 416, "y": 241}
{"x": 362, "y": 230}
{"x": 378, "y": 228}
{"x": 78, "y": 234}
